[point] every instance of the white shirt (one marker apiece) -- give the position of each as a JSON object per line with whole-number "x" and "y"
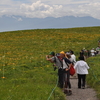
{"x": 74, "y": 58}
{"x": 81, "y": 67}
{"x": 92, "y": 52}
{"x": 64, "y": 64}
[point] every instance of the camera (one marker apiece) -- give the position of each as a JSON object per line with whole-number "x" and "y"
{"x": 54, "y": 67}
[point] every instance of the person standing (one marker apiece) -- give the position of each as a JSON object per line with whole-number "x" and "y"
{"x": 66, "y": 73}
{"x": 73, "y": 56}
{"x": 88, "y": 52}
{"x": 82, "y": 70}
{"x": 98, "y": 50}
{"x": 92, "y": 52}
{"x": 56, "y": 60}
{"x": 82, "y": 54}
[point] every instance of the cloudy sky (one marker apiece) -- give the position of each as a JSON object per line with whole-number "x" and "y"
{"x": 50, "y": 8}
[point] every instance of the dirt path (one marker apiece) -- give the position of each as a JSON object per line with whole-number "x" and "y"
{"x": 81, "y": 94}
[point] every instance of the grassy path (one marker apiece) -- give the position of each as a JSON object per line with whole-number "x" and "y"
{"x": 81, "y": 94}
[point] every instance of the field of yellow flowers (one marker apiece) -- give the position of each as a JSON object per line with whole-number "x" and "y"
{"x": 24, "y": 72}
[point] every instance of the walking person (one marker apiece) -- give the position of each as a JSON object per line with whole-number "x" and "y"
{"x": 89, "y": 53}
{"x": 82, "y": 70}
{"x": 66, "y": 73}
{"x": 82, "y": 54}
{"x": 73, "y": 56}
{"x": 92, "y": 52}
{"x": 70, "y": 58}
{"x": 98, "y": 49}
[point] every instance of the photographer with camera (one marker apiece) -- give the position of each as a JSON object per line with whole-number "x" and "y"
{"x": 58, "y": 65}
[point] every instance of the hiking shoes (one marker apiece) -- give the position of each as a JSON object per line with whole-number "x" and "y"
{"x": 83, "y": 87}
{"x": 69, "y": 93}
{"x": 65, "y": 91}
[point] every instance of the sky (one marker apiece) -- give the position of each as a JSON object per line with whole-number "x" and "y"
{"x": 49, "y": 8}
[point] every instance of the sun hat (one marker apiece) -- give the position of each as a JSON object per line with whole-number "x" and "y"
{"x": 62, "y": 52}
{"x": 52, "y": 53}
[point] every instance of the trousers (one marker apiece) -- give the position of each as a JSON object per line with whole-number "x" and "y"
{"x": 60, "y": 76}
{"x": 67, "y": 83}
{"x": 64, "y": 79}
{"x": 81, "y": 80}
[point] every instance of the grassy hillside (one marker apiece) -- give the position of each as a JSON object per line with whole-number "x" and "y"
{"x": 94, "y": 74}
{"x": 24, "y": 72}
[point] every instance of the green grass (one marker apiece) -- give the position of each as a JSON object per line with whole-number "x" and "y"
{"x": 28, "y": 76}
{"x": 93, "y": 78}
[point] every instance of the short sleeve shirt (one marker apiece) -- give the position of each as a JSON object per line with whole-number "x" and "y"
{"x": 66, "y": 62}
{"x": 55, "y": 59}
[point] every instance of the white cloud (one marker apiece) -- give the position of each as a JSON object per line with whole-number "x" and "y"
{"x": 50, "y": 8}
{"x": 91, "y": 9}
{"x": 40, "y": 10}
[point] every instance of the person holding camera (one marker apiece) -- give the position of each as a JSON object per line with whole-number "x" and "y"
{"x": 58, "y": 65}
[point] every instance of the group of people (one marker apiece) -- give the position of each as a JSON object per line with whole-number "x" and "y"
{"x": 63, "y": 61}
{"x": 90, "y": 53}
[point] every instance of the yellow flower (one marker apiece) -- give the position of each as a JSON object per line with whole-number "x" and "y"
{"x": 3, "y": 77}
